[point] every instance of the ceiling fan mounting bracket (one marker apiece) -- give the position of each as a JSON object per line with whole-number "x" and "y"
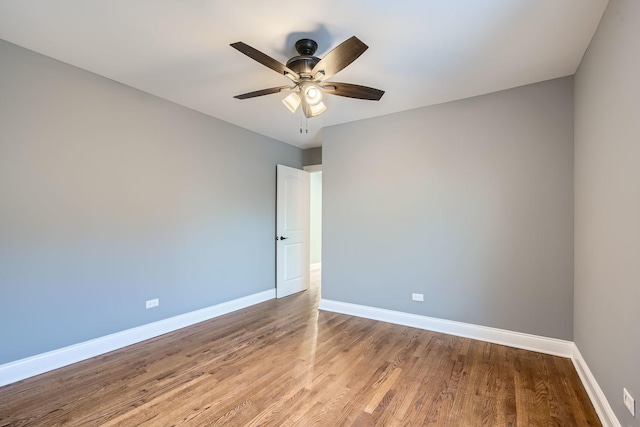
{"x": 306, "y": 47}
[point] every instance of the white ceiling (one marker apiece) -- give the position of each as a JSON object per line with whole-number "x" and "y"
{"x": 421, "y": 52}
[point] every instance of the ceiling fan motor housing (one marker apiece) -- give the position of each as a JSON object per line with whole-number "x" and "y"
{"x": 304, "y": 63}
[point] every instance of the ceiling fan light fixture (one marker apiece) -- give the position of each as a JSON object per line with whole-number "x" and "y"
{"x": 292, "y": 101}
{"x": 312, "y": 93}
{"x": 317, "y": 109}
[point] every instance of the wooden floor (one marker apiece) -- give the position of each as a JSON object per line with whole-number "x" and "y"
{"x": 284, "y": 363}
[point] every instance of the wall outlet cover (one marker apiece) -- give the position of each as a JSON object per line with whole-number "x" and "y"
{"x": 417, "y": 297}
{"x": 629, "y": 401}
{"x": 153, "y": 303}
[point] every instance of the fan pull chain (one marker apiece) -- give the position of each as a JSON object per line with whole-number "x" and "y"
{"x": 306, "y": 125}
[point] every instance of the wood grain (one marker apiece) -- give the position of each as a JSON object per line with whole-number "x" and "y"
{"x": 284, "y": 363}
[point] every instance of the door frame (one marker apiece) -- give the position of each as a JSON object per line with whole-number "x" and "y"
{"x": 311, "y": 169}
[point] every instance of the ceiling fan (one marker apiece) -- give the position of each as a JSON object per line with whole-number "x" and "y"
{"x": 308, "y": 73}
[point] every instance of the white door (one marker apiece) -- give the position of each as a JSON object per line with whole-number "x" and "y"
{"x": 292, "y": 228}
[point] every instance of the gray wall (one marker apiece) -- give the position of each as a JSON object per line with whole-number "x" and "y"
{"x": 312, "y": 156}
{"x": 469, "y": 202}
{"x": 607, "y": 206}
{"x": 110, "y": 197}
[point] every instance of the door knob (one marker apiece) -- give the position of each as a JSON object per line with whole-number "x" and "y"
{"x": 283, "y": 238}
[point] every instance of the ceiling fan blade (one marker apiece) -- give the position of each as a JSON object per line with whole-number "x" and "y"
{"x": 264, "y": 59}
{"x": 339, "y": 58}
{"x": 353, "y": 91}
{"x": 263, "y": 92}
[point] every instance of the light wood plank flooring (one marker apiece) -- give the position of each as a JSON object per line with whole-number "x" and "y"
{"x": 284, "y": 363}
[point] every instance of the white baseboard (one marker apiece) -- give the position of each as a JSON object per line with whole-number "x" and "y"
{"x": 537, "y": 343}
{"x": 316, "y": 266}
{"x": 38, "y": 364}
{"x": 600, "y": 402}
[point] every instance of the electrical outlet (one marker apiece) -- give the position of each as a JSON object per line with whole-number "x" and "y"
{"x": 629, "y": 401}
{"x": 153, "y": 303}
{"x": 417, "y": 297}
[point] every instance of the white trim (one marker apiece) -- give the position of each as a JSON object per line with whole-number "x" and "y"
{"x": 537, "y": 343}
{"x": 313, "y": 168}
{"x": 40, "y": 363}
{"x": 316, "y": 266}
{"x": 599, "y": 400}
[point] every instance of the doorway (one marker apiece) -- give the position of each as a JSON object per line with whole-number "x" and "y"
{"x": 315, "y": 224}
{"x": 298, "y": 230}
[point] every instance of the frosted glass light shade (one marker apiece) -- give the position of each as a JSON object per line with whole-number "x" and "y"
{"x": 292, "y": 101}
{"x": 312, "y": 93}
{"x": 317, "y": 108}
